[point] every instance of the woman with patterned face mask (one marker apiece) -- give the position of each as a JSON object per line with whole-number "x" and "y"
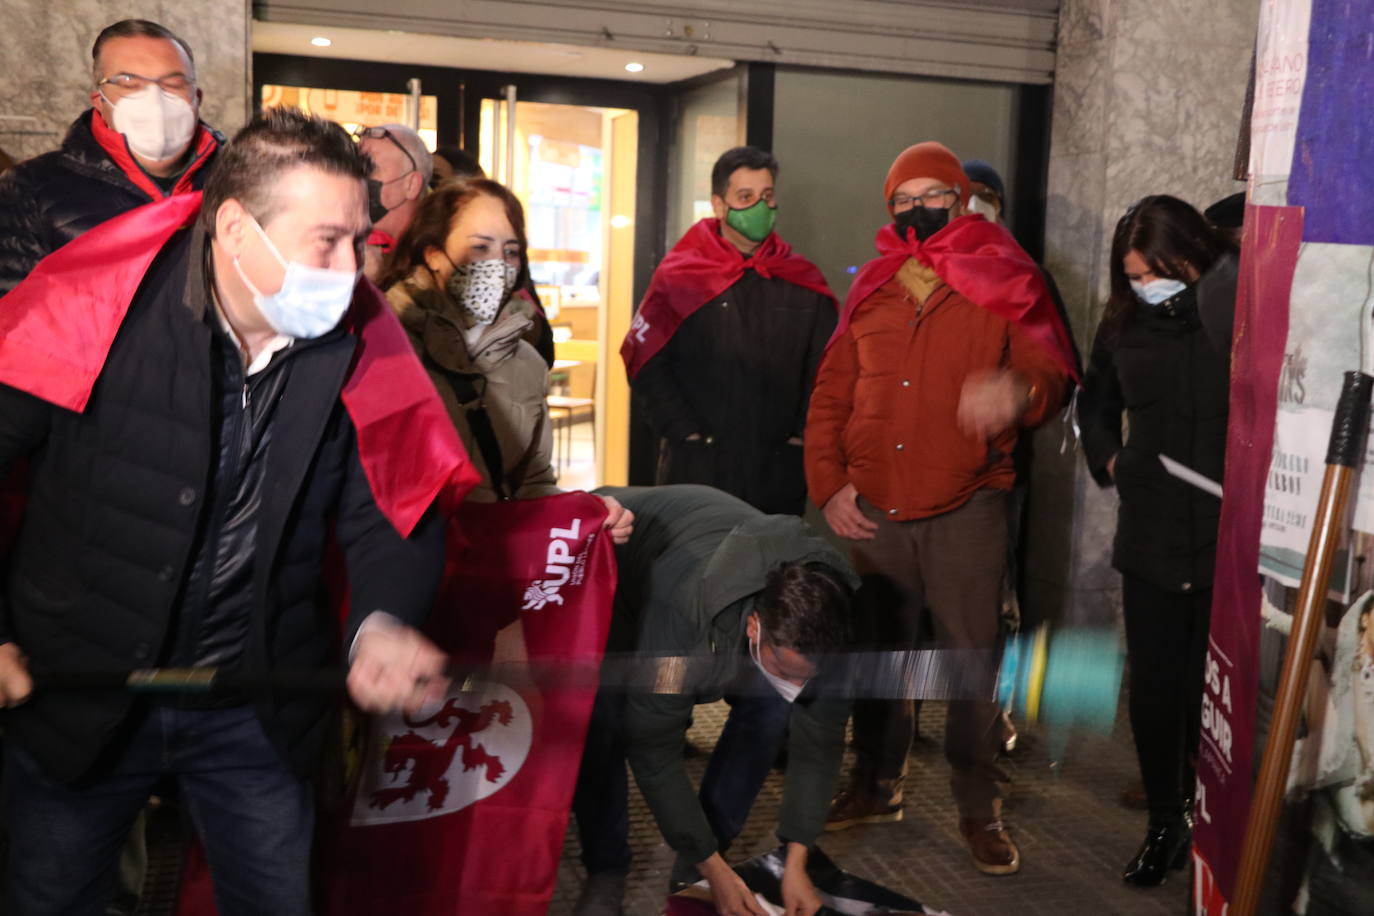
{"x": 1161, "y": 357}
{"x": 451, "y": 280}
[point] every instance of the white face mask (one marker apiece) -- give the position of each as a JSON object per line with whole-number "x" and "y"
{"x": 785, "y": 688}
{"x": 1158, "y": 290}
{"x": 481, "y": 287}
{"x": 158, "y": 125}
{"x": 976, "y": 204}
{"x": 311, "y": 301}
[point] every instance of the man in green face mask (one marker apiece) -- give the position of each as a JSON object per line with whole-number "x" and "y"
{"x": 725, "y": 345}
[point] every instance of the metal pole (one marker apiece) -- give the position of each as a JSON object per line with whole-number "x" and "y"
{"x": 1343, "y": 456}
{"x": 498, "y": 160}
{"x": 509, "y": 177}
{"x": 413, "y": 84}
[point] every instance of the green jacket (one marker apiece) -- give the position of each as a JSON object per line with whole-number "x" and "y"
{"x": 687, "y": 581}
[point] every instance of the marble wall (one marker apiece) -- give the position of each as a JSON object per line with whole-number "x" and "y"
{"x": 46, "y": 49}
{"x": 1148, "y": 99}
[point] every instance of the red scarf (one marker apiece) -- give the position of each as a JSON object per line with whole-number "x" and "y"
{"x": 116, "y": 146}
{"x": 701, "y": 266}
{"x": 58, "y": 324}
{"x": 981, "y": 262}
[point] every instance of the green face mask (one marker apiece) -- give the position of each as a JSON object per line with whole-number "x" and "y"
{"x": 754, "y": 223}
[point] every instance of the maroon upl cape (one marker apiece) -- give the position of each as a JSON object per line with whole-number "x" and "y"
{"x": 981, "y": 262}
{"x": 701, "y": 266}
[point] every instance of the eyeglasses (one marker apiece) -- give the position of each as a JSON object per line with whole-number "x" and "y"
{"x": 935, "y": 197}
{"x": 381, "y": 133}
{"x": 175, "y": 83}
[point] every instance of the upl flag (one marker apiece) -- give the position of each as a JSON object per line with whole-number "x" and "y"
{"x": 462, "y": 808}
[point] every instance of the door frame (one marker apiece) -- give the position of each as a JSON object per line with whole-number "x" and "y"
{"x": 459, "y": 94}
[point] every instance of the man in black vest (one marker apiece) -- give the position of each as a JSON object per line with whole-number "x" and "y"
{"x": 196, "y": 424}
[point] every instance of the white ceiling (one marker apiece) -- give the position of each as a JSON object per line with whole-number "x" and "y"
{"x": 479, "y": 53}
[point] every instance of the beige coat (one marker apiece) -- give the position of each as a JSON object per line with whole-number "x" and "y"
{"x": 516, "y": 381}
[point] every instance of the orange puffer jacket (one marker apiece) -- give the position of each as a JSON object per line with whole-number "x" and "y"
{"x": 883, "y": 414}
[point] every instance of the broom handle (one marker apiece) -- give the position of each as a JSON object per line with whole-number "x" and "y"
{"x": 1345, "y": 453}
{"x": 194, "y": 680}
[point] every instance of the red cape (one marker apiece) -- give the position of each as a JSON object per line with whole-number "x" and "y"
{"x": 116, "y": 146}
{"x": 57, "y": 326}
{"x": 701, "y": 266}
{"x": 981, "y": 262}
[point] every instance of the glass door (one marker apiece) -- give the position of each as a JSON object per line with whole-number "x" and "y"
{"x": 573, "y": 167}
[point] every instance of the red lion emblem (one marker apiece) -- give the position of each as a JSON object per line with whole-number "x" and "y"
{"x": 431, "y": 761}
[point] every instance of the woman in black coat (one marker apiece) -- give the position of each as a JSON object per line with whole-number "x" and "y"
{"x": 1162, "y": 357}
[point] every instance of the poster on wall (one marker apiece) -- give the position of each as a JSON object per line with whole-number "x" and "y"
{"x": 1305, "y": 315}
{"x": 1328, "y": 302}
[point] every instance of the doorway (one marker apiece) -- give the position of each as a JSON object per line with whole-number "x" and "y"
{"x": 573, "y": 166}
{"x": 584, "y": 157}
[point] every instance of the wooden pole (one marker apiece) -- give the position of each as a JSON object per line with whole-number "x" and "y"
{"x": 1345, "y": 453}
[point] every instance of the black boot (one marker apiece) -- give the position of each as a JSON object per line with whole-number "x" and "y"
{"x": 1165, "y": 849}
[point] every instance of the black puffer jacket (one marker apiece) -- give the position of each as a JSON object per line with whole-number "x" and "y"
{"x": 51, "y": 199}
{"x": 118, "y": 501}
{"x": 1169, "y": 371}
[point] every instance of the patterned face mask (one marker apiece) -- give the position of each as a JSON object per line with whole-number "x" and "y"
{"x": 481, "y": 287}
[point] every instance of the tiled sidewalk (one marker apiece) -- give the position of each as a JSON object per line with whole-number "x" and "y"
{"x": 1074, "y": 836}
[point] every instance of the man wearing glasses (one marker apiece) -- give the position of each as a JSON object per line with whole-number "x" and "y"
{"x": 949, "y": 344}
{"x": 401, "y": 169}
{"x": 141, "y": 141}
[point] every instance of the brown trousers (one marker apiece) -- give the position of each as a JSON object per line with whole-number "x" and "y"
{"x": 937, "y": 582}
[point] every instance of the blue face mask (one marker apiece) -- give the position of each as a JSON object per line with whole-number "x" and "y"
{"x": 1158, "y": 290}
{"x": 312, "y": 300}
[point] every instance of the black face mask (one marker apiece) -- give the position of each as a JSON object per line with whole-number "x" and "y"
{"x": 926, "y": 221}
{"x": 375, "y": 208}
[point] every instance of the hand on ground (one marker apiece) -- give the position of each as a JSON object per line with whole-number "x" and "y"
{"x": 732, "y": 896}
{"x": 799, "y": 895}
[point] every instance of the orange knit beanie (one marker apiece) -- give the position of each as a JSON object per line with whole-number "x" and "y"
{"x": 927, "y": 160}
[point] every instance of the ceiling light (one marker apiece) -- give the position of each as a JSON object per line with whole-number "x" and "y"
{"x": 321, "y": 42}
{"x": 634, "y": 67}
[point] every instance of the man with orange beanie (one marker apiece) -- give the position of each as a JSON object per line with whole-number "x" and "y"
{"x": 949, "y": 344}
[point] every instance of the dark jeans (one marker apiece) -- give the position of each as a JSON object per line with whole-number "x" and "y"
{"x": 254, "y": 816}
{"x": 738, "y": 767}
{"x": 950, "y": 568}
{"x": 1166, "y": 646}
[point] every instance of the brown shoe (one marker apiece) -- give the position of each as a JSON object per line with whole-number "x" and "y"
{"x": 853, "y": 806}
{"x": 993, "y": 851}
